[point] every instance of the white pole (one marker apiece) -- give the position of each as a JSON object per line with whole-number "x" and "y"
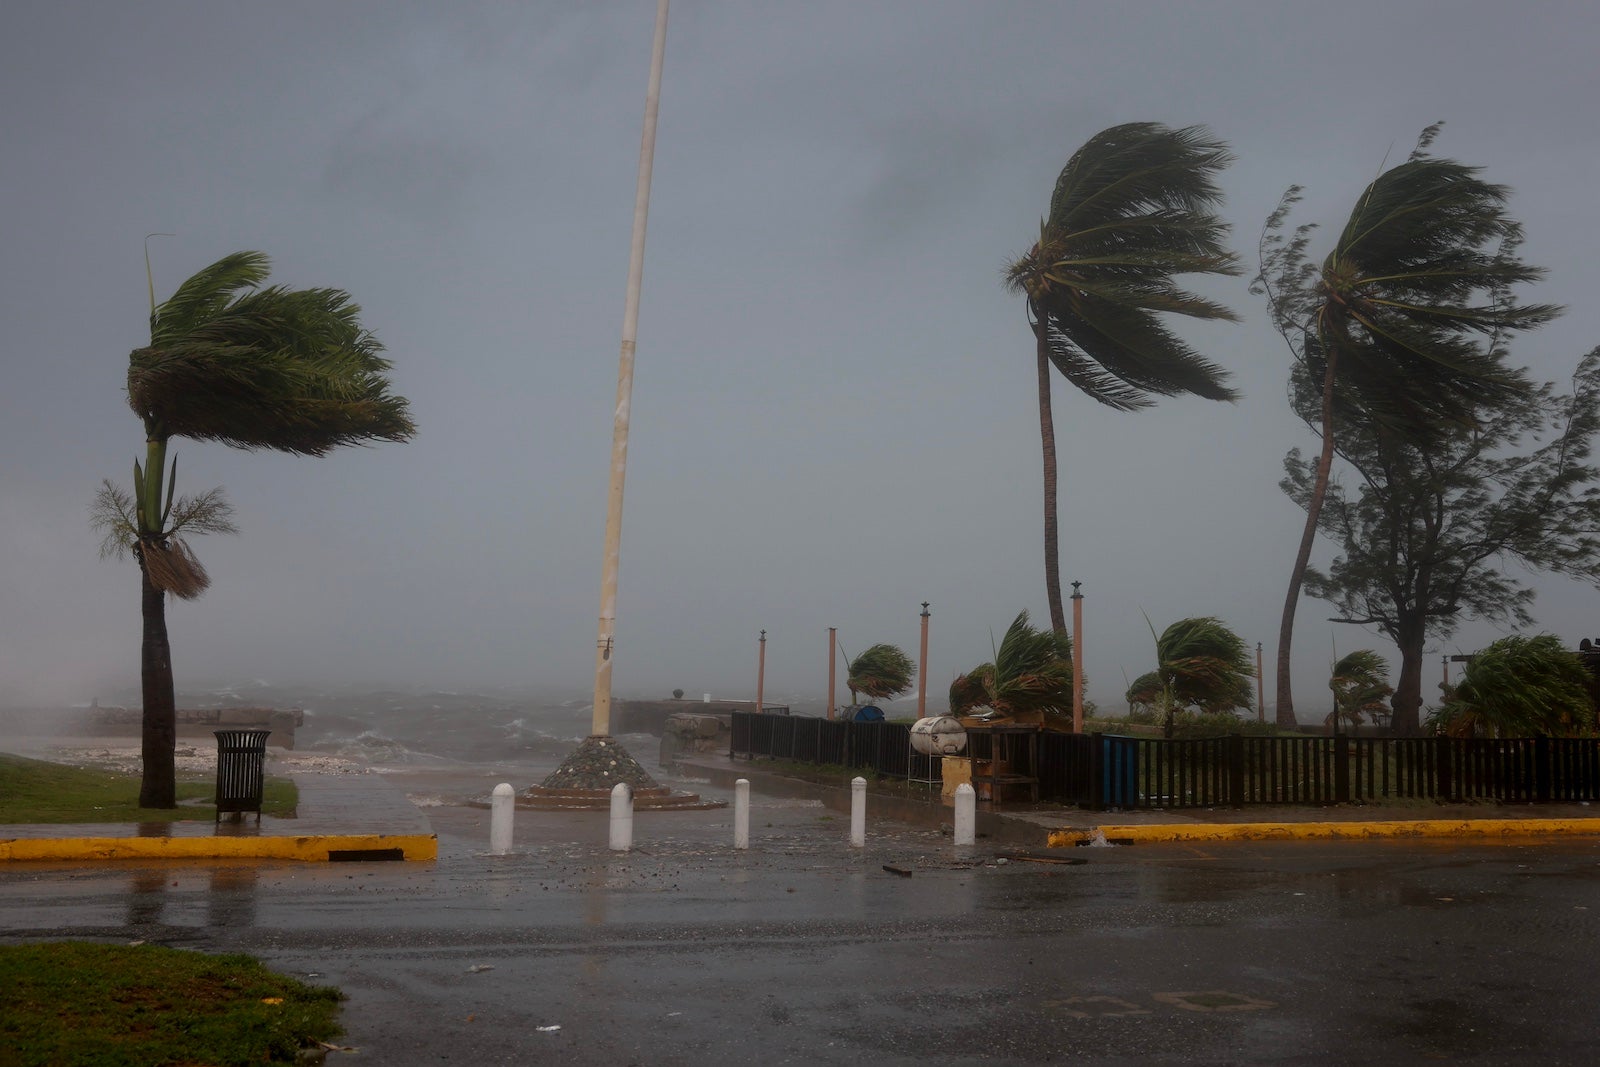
{"x": 741, "y": 813}
{"x": 604, "y": 644}
{"x": 966, "y": 815}
{"x": 858, "y": 813}
{"x": 502, "y": 806}
{"x": 621, "y": 817}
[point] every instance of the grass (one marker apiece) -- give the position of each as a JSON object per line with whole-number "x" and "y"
{"x": 77, "y": 1004}
{"x": 37, "y": 791}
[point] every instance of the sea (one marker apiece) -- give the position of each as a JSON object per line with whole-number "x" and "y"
{"x": 518, "y": 733}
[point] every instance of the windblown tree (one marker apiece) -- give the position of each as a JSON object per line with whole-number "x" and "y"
{"x": 1361, "y": 689}
{"x": 1429, "y": 534}
{"x": 1520, "y": 687}
{"x": 1200, "y": 664}
{"x": 1031, "y": 673}
{"x": 882, "y": 672}
{"x": 1133, "y": 208}
{"x": 289, "y": 370}
{"x": 1404, "y": 322}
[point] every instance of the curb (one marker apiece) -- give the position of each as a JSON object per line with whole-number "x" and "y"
{"x": 317, "y": 848}
{"x": 1315, "y": 831}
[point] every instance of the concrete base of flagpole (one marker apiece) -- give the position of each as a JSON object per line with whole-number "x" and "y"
{"x": 599, "y": 764}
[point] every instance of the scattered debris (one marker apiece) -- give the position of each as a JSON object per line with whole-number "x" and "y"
{"x": 903, "y": 872}
{"x": 476, "y": 967}
{"x": 548, "y": 1029}
{"x": 1041, "y": 857}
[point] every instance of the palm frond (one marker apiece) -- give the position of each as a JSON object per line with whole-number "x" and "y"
{"x": 881, "y": 672}
{"x": 271, "y": 368}
{"x": 112, "y": 516}
{"x": 1133, "y": 207}
{"x": 1521, "y": 686}
{"x": 173, "y": 568}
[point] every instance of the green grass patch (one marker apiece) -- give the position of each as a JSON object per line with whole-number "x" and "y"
{"x": 37, "y": 791}
{"x": 76, "y": 1004}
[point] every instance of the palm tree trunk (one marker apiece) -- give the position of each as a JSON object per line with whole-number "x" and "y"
{"x": 1047, "y": 439}
{"x": 158, "y": 786}
{"x": 1284, "y": 713}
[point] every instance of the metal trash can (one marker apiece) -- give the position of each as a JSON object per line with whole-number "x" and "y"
{"x": 241, "y": 770}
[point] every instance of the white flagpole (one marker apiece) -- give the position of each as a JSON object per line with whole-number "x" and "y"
{"x": 606, "y": 642}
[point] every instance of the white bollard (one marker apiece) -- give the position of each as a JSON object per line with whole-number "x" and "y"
{"x": 502, "y": 806}
{"x": 741, "y": 813}
{"x": 858, "y": 813}
{"x": 621, "y": 817}
{"x": 966, "y": 815}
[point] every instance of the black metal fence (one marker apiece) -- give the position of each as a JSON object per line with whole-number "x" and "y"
{"x": 1110, "y": 771}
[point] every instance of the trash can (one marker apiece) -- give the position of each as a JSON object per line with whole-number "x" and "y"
{"x": 241, "y": 770}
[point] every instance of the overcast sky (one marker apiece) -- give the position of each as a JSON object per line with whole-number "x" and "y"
{"x": 835, "y": 415}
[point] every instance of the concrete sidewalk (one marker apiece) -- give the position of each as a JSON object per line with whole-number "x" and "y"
{"x": 1061, "y": 826}
{"x": 339, "y": 817}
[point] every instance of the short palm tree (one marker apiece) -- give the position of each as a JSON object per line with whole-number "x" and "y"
{"x": 1031, "y": 673}
{"x": 1132, "y": 208}
{"x": 882, "y": 672}
{"x": 1361, "y": 689}
{"x": 1520, "y": 687}
{"x": 1200, "y": 663}
{"x": 291, "y": 370}
{"x": 1404, "y": 321}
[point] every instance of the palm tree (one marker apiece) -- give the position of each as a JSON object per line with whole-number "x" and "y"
{"x": 1200, "y": 663}
{"x": 882, "y": 672}
{"x": 291, "y": 370}
{"x": 1360, "y": 687}
{"x": 1520, "y": 687}
{"x": 1404, "y": 321}
{"x": 1031, "y": 673}
{"x": 1132, "y": 208}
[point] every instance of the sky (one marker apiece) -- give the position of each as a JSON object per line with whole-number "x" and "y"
{"x": 834, "y": 406}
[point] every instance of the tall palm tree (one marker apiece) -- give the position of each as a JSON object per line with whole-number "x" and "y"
{"x": 290, "y": 370}
{"x": 1031, "y": 673}
{"x": 1404, "y": 322}
{"x": 1132, "y": 208}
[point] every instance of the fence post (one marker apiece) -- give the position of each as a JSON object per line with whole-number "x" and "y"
{"x": 1444, "y": 780}
{"x": 966, "y": 829}
{"x": 858, "y": 812}
{"x": 621, "y": 817}
{"x": 1541, "y": 769}
{"x": 741, "y": 813}
{"x": 502, "y": 805}
{"x": 1236, "y": 770}
{"x": 1341, "y": 768}
{"x": 1095, "y": 759}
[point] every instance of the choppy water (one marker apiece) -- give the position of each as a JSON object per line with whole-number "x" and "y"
{"x": 422, "y": 729}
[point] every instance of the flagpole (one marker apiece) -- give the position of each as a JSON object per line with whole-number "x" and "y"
{"x": 605, "y": 644}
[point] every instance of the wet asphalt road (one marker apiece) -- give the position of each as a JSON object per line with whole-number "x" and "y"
{"x": 803, "y": 951}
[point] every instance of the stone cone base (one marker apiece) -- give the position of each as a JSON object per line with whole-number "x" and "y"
{"x": 585, "y": 779}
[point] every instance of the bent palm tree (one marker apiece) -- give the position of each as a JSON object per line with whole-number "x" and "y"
{"x": 1403, "y": 322}
{"x": 1360, "y": 687}
{"x": 1132, "y": 208}
{"x": 1520, "y": 687}
{"x": 1031, "y": 673}
{"x": 1199, "y": 663}
{"x": 255, "y": 368}
{"x": 882, "y": 672}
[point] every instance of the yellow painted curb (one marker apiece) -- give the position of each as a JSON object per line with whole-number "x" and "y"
{"x": 315, "y": 848}
{"x": 1312, "y": 831}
